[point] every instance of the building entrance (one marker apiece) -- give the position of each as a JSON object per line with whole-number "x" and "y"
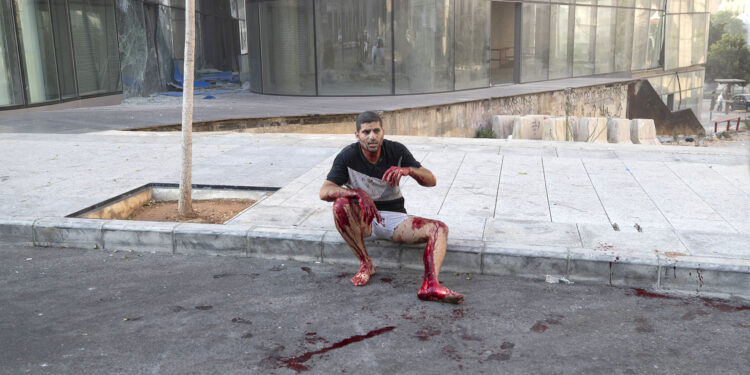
{"x": 503, "y": 45}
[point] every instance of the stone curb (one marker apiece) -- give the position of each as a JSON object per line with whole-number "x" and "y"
{"x": 578, "y": 264}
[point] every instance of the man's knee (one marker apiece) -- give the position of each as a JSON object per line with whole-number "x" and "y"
{"x": 340, "y": 207}
{"x": 441, "y": 227}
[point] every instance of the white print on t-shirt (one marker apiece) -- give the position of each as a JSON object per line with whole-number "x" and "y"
{"x": 377, "y": 189}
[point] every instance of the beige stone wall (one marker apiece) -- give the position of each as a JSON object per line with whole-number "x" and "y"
{"x": 463, "y": 119}
{"x": 451, "y": 120}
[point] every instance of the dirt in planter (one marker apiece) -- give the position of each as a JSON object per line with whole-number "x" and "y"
{"x": 213, "y": 211}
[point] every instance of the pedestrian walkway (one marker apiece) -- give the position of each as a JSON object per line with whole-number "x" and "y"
{"x": 646, "y": 216}
{"x": 162, "y": 111}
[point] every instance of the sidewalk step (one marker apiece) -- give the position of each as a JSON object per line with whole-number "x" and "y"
{"x": 687, "y": 261}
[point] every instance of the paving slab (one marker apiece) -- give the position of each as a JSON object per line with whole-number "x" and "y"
{"x": 527, "y": 208}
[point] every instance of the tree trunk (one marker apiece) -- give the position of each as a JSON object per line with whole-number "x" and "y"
{"x": 185, "y": 204}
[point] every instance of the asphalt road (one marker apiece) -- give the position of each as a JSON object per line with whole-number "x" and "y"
{"x": 72, "y": 311}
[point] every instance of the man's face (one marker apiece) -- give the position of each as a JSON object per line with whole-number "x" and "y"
{"x": 370, "y": 136}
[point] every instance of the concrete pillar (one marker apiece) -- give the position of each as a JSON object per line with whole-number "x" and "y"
{"x": 618, "y": 130}
{"x": 502, "y": 125}
{"x": 592, "y": 130}
{"x": 643, "y": 131}
{"x": 528, "y": 127}
{"x": 559, "y": 128}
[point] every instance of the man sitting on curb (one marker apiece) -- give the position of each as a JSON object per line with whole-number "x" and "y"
{"x": 372, "y": 169}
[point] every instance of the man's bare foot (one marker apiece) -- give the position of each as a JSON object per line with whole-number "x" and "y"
{"x": 363, "y": 276}
{"x": 438, "y": 293}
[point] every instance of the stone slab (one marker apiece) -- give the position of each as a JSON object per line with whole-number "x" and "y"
{"x": 286, "y": 243}
{"x": 559, "y": 128}
{"x": 67, "y": 232}
{"x": 536, "y": 262}
{"x": 530, "y": 233}
{"x": 529, "y": 127}
{"x": 17, "y": 230}
{"x": 502, "y": 125}
{"x": 146, "y": 236}
{"x": 572, "y": 197}
{"x": 211, "y": 239}
{"x": 706, "y": 275}
{"x": 712, "y": 244}
{"x": 618, "y": 131}
{"x": 591, "y": 130}
{"x": 625, "y": 202}
{"x": 643, "y": 131}
{"x": 382, "y": 253}
{"x": 522, "y": 192}
{"x": 461, "y": 256}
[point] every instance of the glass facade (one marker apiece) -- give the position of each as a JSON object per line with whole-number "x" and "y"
{"x": 11, "y": 86}
{"x": 683, "y": 89}
{"x": 53, "y": 50}
{"x": 423, "y": 41}
{"x": 354, "y": 47}
{"x": 472, "y": 48}
{"x": 95, "y": 46}
{"x": 287, "y": 47}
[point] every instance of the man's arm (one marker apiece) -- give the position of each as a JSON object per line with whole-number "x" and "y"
{"x": 422, "y": 175}
{"x": 329, "y": 192}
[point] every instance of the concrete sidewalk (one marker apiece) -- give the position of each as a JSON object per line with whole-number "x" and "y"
{"x": 527, "y": 208}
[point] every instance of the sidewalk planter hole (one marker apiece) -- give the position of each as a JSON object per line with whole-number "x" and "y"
{"x": 214, "y": 203}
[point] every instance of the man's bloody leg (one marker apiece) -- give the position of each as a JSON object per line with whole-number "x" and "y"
{"x": 434, "y": 253}
{"x": 349, "y": 223}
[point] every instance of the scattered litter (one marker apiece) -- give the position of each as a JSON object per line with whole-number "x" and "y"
{"x": 92, "y": 288}
{"x": 557, "y": 280}
{"x": 615, "y": 227}
{"x": 638, "y": 227}
{"x": 28, "y": 259}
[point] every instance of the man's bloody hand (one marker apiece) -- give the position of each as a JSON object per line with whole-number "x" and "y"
{"x": 366, "y": 205}
{"x": 393, "y": 175}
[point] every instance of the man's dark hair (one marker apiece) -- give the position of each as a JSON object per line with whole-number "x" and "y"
{"x": 368, "y": 116}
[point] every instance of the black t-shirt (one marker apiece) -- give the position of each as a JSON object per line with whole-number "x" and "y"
{"x": 352, "y": 169}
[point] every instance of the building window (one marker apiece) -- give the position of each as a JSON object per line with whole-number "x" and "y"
{"x": 38, "y": 50}
{"x": 472, "y": 44}
{"x": 535, "y": 42}
{"x": 354, "y": 47}
{"x": 11, "y": 90}
{"x": 287, "y": 47}
{"x": 95, "y": 46}
{"x": 423, "y": 55}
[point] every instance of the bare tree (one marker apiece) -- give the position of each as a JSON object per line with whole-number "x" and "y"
{"x": 185, "y": 203}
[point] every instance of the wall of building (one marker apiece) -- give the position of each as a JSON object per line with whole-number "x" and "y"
{"x": 452, "y": 120}
{"x": 152, "y": 40}
{"x": 58, "y": 51}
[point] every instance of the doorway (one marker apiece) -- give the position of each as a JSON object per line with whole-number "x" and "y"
{"x": 503, "y": 42}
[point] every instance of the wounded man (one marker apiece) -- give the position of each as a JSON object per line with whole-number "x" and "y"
{"x": 363, "y": 185}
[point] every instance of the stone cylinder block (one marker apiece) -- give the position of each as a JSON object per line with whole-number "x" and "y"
{"x": 592, "y": 130}
{"x": 502, "y": 125}
{"x": 618, "y": 130}
{"x": 528, "y": 127}
{"x": 643, "y": 131}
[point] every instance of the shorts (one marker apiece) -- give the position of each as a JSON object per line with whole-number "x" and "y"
{"x": 384, "y": 230}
